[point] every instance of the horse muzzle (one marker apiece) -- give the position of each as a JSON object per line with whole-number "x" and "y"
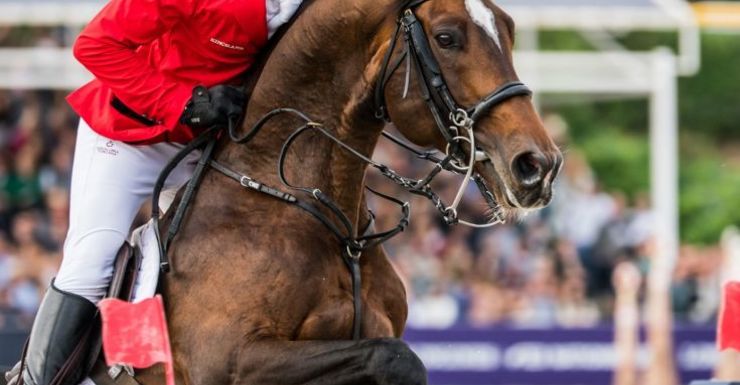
{"x": 533, "y": 173}
{"x": 525, "y": 182}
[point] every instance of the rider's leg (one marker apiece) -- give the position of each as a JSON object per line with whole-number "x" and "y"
{"x": 110, "y": 181}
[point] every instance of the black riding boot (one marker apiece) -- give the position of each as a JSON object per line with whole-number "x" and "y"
{"x": 58, "y": 340}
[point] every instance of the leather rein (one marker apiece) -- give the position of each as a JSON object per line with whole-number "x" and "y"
{"x": 454, "y": 122}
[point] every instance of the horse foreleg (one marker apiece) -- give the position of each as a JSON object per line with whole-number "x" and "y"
{"x": 366, "y": 362}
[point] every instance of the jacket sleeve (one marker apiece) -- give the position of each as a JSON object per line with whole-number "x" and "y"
{"x": 107, "y": 47}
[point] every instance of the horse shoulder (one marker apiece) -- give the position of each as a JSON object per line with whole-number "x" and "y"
{"x": 385, "y": 296}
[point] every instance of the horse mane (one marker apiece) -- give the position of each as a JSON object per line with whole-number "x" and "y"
{"x": 252, "y": 75}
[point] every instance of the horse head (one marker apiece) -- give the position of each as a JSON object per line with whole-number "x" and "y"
{"x": 440, "y": 70}
{"x": 449, "y": 64}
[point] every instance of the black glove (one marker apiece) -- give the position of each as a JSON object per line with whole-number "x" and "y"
{"x": 213, "y": 106}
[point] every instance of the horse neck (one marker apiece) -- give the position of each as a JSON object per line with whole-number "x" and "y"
{"x": 320, "y": 68}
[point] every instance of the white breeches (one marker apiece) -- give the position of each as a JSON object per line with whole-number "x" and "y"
{"x": 110, "y": 182}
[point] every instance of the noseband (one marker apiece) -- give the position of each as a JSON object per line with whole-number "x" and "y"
{"x": 454, "y": 121}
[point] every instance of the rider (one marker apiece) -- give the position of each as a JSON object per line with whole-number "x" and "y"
{"x": 164, "y": 70}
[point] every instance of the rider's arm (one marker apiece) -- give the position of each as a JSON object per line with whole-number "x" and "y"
{"x": 107, "y": 48}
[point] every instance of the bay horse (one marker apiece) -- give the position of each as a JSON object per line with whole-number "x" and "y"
{"x": 258, "y": 291}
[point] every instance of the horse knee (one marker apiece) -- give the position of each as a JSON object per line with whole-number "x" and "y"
{"x": 394, "y": 363}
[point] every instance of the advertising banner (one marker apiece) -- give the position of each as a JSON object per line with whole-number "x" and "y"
{"x": 510, "y": 356}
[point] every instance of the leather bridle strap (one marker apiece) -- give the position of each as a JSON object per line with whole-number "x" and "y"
{"x": 207, "y": 138}
{"x": 500, "y": 95}
{"x": 433, "y": 87}
{"x": 353, "y": 244}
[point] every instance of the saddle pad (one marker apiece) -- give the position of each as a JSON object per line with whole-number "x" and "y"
{"x": 147, "y": 278}
{"x": 145, "y": 286}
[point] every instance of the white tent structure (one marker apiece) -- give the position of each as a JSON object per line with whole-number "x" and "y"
{"x": 603, "y": 17}
{"x": 607, "y": 70}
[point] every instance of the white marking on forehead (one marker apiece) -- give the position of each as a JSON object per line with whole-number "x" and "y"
{"x": 484, "y": 17}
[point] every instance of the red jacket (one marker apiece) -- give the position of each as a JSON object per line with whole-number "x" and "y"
{"x": 149, "y": 54}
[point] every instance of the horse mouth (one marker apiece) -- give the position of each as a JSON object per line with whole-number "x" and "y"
{"x": 509, "y": 203}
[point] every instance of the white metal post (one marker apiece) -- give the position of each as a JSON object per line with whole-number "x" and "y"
{"x": 664, "y": 160}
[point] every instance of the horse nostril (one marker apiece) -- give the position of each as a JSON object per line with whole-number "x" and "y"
{"x": 528, "y": 167}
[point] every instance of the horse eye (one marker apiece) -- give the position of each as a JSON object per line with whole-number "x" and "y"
{"x": 445, "y": 40}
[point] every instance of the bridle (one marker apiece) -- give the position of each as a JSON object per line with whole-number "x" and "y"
{"x": 454, "y": 122}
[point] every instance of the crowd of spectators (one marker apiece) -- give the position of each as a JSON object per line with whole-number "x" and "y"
{"x": 37, "y": 135}
{"x": 550, "y": 268}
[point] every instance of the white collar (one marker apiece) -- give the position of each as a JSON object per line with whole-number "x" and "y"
{"x": 279, "y": 12}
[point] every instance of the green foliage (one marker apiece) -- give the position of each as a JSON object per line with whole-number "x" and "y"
{"x": 710, "y": 101}
{"x": 613, "y": 136}
{"x": 563, "y": 41}
{"x": 621, "y": 161}
{"x": 710, "y": 187}
{"x": 587, "y": 119}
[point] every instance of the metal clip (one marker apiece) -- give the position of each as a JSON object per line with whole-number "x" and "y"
{"x": 115, "y": 371}
{"x": 461, "y": 118}
{"x": 316, "y": 193}
{"x": 355, "y": 256}
{"x": 450, "y": 216}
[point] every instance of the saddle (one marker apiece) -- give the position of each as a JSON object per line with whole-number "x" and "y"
{"x": 128, "y": 264}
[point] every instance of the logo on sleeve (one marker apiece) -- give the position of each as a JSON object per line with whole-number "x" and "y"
{"x": 226, "y": 45}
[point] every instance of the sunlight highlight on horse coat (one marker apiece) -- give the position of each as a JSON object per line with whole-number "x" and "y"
{"x": 483, "y": 16}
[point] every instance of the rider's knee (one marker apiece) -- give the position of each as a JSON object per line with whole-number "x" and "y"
{"x": 88, "y": 263}
{"x": 394, "y": 363}
{"x": 95, "y": 248}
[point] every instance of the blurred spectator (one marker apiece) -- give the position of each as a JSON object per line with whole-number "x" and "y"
{"x": 36, "y": 147}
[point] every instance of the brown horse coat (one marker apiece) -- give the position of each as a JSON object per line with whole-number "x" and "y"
{"x": 258, "y": 292}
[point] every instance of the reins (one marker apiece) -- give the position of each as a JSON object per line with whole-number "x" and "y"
{"x": 454, "y": 122}
{"x": 352, "y": 245}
